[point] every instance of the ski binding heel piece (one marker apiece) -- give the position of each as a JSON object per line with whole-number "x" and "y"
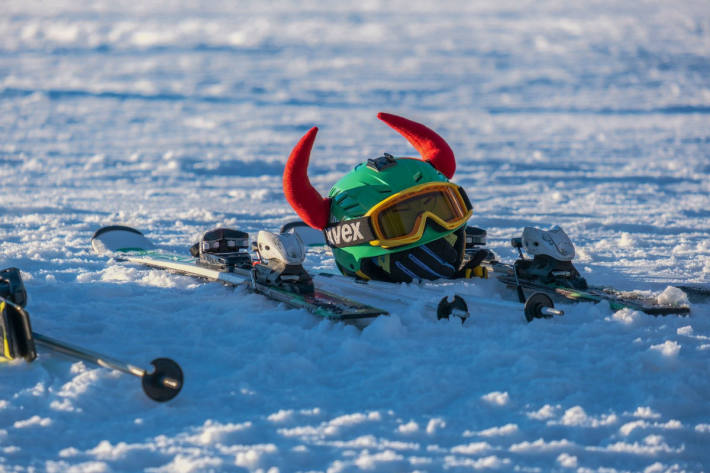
{"x": 284, "y": 247}
{"x": 552, "y": 253}
{"x": 280, "y": 258}
{"x": 554, "y": 243}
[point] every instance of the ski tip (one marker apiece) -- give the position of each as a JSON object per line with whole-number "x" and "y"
{"x": 309, "y": 236}
{"x": 111, "y": 228}
{"x": 115, "y": 238}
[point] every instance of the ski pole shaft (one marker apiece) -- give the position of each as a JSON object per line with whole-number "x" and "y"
{"x": 86, "y": 355}
{"x": 162, "y": 384}
{"x": 550, "y": 311}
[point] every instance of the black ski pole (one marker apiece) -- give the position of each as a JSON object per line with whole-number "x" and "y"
{"x": 162, "y": 384}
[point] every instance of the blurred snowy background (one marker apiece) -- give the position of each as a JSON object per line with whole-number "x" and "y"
{"x": 176, "y": 117}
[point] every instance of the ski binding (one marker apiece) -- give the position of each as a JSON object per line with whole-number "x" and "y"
{"x": 551, "y": 270}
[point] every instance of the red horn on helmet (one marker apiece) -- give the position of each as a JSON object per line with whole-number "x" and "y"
{"x": 313, "y": 208}
{"x": 431, "y": 146}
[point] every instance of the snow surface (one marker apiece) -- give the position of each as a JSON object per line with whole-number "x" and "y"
{"x": 176, "y": 117}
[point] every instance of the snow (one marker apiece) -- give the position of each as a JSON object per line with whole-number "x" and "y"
{"x": 177, "y": 118}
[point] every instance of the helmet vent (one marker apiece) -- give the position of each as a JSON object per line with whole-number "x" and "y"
{"x": 350, "y": 207}
{"x": 418, "y": 176}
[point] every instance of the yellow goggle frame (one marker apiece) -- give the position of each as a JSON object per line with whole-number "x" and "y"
{"x": 458, "y": 204}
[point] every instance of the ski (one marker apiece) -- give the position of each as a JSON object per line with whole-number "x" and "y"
{"x": 222, "y": 256}
{"x": 550, "y": 270}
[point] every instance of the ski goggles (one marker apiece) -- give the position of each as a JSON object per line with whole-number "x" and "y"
{"x": 402, "y": 218}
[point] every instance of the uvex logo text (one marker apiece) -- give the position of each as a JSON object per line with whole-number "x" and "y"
{"x": 347, "y": 233}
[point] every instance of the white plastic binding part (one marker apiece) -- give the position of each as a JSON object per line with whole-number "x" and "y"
{"x": 553, "y": 242}
{"x": 285, "y": 247}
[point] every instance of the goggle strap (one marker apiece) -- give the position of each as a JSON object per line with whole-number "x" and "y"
{"x": 464, "y": 196}
{"x": 349, "y": 233}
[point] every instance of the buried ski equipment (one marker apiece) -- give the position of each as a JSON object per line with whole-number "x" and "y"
{"x": 278, "y": 273}
{"x": 551, "y": 271}
{"x": 19, "y": 341}
{"x": 538, "y": 305}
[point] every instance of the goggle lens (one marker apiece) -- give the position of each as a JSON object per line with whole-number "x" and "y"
{"x": 401, "y": 218}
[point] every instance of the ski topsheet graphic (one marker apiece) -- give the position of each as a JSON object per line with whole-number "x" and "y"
{"x": 221, "y": 256}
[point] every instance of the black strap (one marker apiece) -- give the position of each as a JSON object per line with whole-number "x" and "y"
{"x": 349, "y": 233}
{"x": 465, "y": 198}
{"x": 12, "y": 287}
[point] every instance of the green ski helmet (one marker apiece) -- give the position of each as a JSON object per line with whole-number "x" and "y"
{"x": 392, "y": 219}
